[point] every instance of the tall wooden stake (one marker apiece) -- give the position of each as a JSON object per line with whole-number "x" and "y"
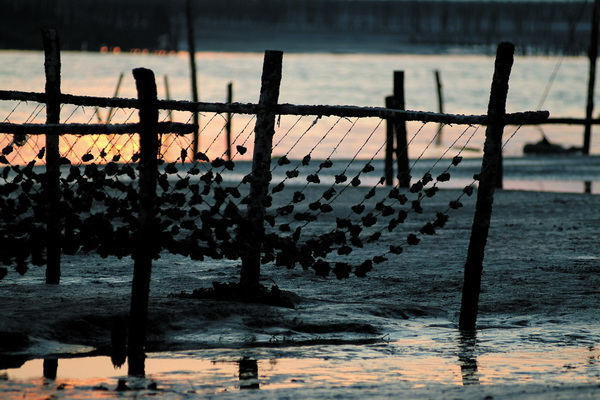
{"x": 593, "y": 55}
{"x": 261, "y": 168}
{"x": 228, "y": 123}
{"x": 400, "y": 131}
{"x": 146, "y": 246}
{"x": 52, "y": 70}
{"x": 193, "y": 72}
{"x": 389, "y": 145}
{"x": 485, "y": 194}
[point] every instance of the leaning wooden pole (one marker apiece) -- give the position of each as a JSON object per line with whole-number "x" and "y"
{"x": 261, "y": 169}
{"x": 487, "y": 184}
{"x": 145, "y": 246}
{"x": 440, "y": 97}
{"x": 52, "y": 187}
{"x": 593, "y": 55}
{"x": 193, "y": 71}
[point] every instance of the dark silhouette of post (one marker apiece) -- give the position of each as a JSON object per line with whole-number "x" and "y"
{"x": 228, "y": 121}
{"x": 467, "y": 357}
{"x": 193, "y": 71}
{"x": 485, "y": 194}
{"x": 261, "y": 169}
{"x": 52, "y": 187}
{"x": 146, "y": 246}
{"x": 389, "y": 145}
{"x": 248, "y": 374}
{"x": 400, "y": 131}
{"x": 50, "y": 368}
{"x": 593, "y": 55}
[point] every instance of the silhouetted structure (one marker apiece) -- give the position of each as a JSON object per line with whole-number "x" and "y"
{"x": 534, "y": 26}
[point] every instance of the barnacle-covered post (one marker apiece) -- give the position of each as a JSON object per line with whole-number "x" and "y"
{"x": 389, "y": 145}
{"x": 261, "y": 169}
{"x": 400, "y": 131}
{"x": 52, "y": 187}
{"x": 487, "y": 184}
{"x": 146, "y": 245}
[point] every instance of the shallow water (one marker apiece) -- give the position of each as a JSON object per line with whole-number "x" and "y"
{"x": 417, "y": 354}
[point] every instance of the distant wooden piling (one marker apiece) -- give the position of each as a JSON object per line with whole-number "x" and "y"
{"x": 440, "y": 97}
{"x": 168, "y": 96}
{"x": 261, "y": 168}
{"x": 400, "y": 131}
{"x": 487, "y": 184}
{"x": 593, "y": 55}
{"x": 52, "y": 189}
{"x": 146, "y": 245}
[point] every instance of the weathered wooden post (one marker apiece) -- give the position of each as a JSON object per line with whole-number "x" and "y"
{"x": 389, "y": 145}
{"x": 52, "y": 188}
{"x": 146, "y": 246}
{"x": 261, "y": 169}
{"x": 440, "y": 97}
{"x": 228, "y": 121}
{"x": 193, "y": 72}
{"x": 400, "y": 131}
{"x": 487, "y": 183}
{"x": 592, "y": 55}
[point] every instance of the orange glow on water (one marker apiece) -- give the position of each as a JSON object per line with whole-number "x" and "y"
{"x": 416, "y": 370}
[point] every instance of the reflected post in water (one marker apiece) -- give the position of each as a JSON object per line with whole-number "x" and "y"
{"x": 467, "y": 341}
{"x": 248, "y": 374}
{"x": 50, "y": 368}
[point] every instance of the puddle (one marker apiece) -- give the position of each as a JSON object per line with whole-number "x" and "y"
{"x": 438, "y": 357}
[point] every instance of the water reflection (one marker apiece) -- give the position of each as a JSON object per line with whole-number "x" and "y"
{"x": 248, "y": 374}
{"x": 118, "y": 344}
{"x": 50, "y": 368}
{"x": 467, "y": 359}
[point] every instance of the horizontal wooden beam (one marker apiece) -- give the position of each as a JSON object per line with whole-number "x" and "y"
{"x": 91, "y": 129}
{"x": 522, "y": 118}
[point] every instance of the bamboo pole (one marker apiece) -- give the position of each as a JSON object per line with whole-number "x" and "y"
{"x": 261, "y": 169}
{"x": 485, "y": 193}
{"x": 52, "y": 70}
{"x": 193, "y": 71}
{"x": 592, "y": 55}
{"x": 92, "y": 129}
{"x": 519, "y": 118}
{"x": 146, "y": 246}
{"x": 117, "y": 88}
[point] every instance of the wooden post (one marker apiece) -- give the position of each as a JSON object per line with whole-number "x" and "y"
{"x": 593, "y": 55}
{"x": 261, "y": 168}
{"x": 485, "y": 194}
{"x": 400, "y": 130}
{"x": 52, "y": 189}
{"x": 389, "y": 145}
{"x": 440, "y": 97}
{"x": 146, "y": 246}
{"x": 228, "y": 122}
{"x": 193, "y": 72}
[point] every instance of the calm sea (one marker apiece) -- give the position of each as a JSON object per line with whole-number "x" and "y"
{"x": 557, "y": 84}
